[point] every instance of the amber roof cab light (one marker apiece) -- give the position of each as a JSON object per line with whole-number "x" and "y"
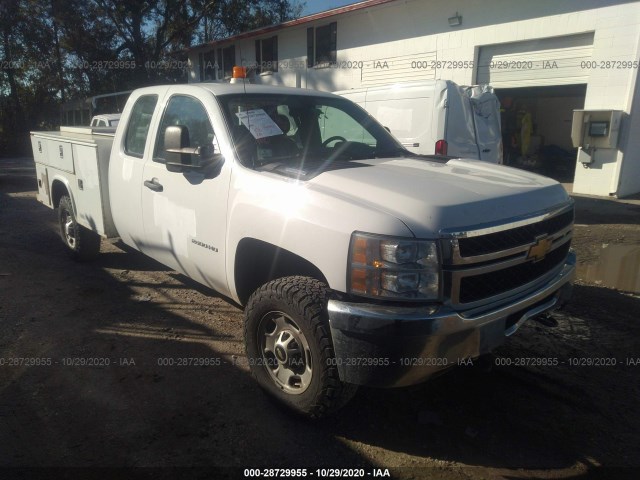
{"x": 239, "y": 75}
{"x": 239, "y": 72}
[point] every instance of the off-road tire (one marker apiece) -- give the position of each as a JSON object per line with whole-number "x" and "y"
{"x": 299, "y": 305}
{"x": 81, "y": 243}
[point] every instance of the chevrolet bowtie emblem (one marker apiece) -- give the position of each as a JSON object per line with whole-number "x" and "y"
{"x": 539, "y": 250}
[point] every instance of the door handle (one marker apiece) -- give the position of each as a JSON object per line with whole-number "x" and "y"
{"x": 486, "y": 150}
{"x": 153, "y": 185}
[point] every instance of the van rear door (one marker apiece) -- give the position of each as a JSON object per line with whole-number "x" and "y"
{"x": 486, "y": 117}
{"x": 459, "y": 129}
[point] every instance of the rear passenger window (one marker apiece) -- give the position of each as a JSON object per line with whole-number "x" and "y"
{"x": 138, "y": 127}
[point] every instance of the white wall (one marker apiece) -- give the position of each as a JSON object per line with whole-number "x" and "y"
{"x": 418, "y": 30}
{"x": 617, "y": 34}
{"x": 628, "y": 178}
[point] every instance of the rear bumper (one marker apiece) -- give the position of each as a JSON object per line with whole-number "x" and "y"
{"x": 397, "y": 346}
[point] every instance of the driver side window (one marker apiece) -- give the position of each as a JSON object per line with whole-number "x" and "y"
{"x": 334, "y": 122}
{"x": 189, "y": 112}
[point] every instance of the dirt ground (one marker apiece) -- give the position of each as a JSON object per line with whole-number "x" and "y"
{"x": 128, "y": 317}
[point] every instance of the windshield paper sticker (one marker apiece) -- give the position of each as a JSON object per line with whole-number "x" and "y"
{"x": 259, "y": 123}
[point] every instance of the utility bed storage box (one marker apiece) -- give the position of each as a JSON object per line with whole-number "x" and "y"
{"x": 78, "y": 155}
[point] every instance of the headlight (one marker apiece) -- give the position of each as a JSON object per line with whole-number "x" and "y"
{"x": 394, "y": 267}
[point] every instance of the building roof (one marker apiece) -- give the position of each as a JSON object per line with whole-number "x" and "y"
{"x": 292, "y": 23}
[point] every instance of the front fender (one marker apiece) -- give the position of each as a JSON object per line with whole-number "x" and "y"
{"x": 310, "y": 224}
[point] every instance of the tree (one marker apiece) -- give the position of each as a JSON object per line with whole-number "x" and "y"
{"x": 55, "y": 50}
{"x": 27, "y": 77}
{"x": 151, "y": 31}
{"x": 230, "y": 17}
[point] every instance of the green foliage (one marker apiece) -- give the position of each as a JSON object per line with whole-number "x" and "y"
{"x": 53, "y": 51}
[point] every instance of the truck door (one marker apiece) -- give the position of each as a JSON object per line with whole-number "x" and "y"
{"x": 128, "y": 154}
{"x": 184, "y": 208}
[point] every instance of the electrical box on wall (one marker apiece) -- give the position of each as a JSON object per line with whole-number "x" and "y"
{"x": 594, "y": 129}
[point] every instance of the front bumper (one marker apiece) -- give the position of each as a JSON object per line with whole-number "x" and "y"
{"x": 391, "y": 346}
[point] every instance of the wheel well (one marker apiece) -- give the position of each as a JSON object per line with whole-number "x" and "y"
{"x": 58, "y": 190}
{"x": 259, "y": 262}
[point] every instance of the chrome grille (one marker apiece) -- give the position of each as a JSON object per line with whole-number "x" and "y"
{"x": 484, "y": 285}
{"x": 492, "y": 262}
{"x": 495, "y": 242}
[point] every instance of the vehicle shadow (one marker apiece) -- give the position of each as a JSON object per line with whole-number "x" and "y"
{"x": 123, "y": 257}
{"x": 133, "y": 372}
{"x": 17, "y": 184}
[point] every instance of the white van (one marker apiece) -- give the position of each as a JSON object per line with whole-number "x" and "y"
{"x": 437, "y": 117}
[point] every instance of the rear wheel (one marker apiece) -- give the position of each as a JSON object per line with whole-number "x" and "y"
{"x": 81, "y": 243}
{"x": 289, "y": 346}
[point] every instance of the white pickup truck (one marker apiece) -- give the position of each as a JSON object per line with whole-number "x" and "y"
{"x": 105, "y": 120}
{"x": 357, "y": 261}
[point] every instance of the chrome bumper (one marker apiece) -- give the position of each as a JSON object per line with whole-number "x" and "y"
{"x": 396, "y": 346}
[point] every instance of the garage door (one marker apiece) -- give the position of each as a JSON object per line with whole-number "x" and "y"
{"x": 542, "y": 62}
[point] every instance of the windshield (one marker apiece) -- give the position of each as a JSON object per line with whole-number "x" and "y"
{"x": 301, "y": 135}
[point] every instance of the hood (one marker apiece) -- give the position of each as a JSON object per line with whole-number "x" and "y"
{"x": 430, "y": 197}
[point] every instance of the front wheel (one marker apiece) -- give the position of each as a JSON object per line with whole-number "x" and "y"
{"x": 81, "y": 243}
{"x": 289, "y": 346}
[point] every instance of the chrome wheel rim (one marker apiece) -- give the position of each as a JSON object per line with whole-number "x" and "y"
{"x": 68, "y": 226}
{"x": 285, "y": 352}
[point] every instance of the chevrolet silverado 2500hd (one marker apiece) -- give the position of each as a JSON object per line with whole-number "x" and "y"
{"x": 357, "y": 261}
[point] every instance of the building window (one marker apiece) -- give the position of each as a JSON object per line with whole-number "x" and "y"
{"x": 322, "y": 45}
{"x": 208, "y": 66}
{"x": 267, "y": 55}
{"x": 228, "y": 60}
{"x": 217, "y": 64}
